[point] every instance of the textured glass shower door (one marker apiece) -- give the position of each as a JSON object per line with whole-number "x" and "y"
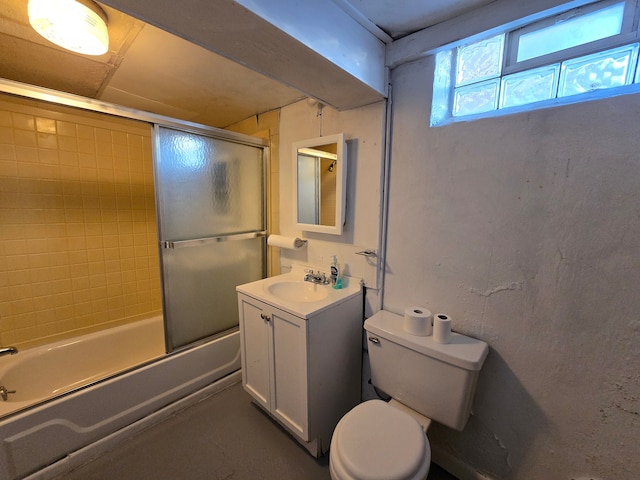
{"x": 211, "y": 217}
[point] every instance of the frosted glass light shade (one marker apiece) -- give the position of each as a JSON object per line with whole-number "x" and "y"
{"x": 79, "y": 27}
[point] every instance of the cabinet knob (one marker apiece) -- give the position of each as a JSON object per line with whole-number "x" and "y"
{"x": 266, "y": 317}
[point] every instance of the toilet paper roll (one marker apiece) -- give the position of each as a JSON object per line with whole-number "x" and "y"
{"x": 292, "y": 243}
{"x": 441, "y": 328}
{"x": 417, "y": 321}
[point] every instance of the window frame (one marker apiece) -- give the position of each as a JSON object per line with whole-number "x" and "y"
{"x": 629, "y": 34}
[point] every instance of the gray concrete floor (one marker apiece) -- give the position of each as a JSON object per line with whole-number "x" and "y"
{"x": 223, "y": 437}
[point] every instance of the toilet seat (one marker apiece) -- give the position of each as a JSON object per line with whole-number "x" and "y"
{"x": 375, "y": 441}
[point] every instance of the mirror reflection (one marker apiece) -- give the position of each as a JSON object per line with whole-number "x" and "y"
{"x": 319, "y": 172}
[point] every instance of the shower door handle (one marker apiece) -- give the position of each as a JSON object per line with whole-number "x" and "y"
{"x": 171, "y": 244}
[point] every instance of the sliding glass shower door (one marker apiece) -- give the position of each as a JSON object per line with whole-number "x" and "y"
{"x": 211, "y": 217}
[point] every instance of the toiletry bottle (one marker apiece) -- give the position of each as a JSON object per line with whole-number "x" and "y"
{"x": 336, "y": 278}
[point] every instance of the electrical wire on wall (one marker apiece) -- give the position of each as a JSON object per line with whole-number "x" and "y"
{"x": 319, "y": 114}
{"x": 320, "y": 106}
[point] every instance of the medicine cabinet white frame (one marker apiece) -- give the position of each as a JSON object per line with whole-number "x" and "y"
{"x": 316, "y": 147}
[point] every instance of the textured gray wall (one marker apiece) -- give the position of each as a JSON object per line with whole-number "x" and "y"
{"x": 526, "y": 230}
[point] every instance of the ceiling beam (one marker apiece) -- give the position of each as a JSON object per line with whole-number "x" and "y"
{"x": 494, "y": 17}
{"x": 340, "y": 68}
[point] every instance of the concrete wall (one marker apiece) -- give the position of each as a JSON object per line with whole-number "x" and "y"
{"x": 525, "y": 229}
{"x": 363, "y": 128}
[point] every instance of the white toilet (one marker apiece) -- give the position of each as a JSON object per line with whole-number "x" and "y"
{"x": 426, "y": 380}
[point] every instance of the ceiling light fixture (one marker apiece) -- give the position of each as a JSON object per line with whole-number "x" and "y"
{"x": 77, "y": 25}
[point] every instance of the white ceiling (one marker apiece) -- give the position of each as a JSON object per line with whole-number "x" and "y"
{"x": 401, "y": 18}
{"x": 149, "y": 69}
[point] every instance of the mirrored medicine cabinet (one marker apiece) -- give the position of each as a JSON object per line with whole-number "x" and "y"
{"x": 320, "y": 173}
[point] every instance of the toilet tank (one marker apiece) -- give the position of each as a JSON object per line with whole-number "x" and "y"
{"x": 436, "y": 380}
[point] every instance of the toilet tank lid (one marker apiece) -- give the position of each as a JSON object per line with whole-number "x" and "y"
{"x": 462, "y": 351}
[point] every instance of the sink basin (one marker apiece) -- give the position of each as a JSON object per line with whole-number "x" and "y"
{"x": 292, "y": 291}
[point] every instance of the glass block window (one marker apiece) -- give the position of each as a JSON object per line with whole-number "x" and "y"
{"x": 612, "y": 68}
{"x": 441, "y": 87}
{"x": 476, "y": 98}
{"x": 479, "y": 61}
{"x": 529, "y": 86}
{"x": 592, "y": 48}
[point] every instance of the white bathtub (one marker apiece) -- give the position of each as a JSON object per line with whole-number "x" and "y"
{"x": 37, "y": 374}
{"x": 40, "y": 435}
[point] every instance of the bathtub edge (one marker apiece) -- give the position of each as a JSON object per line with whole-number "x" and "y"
{"x": 92, "y": 451}
{"x": 33, "y": 440}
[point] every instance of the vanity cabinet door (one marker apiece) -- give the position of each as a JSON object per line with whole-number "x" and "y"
{"x": 255, "y": 344}
{"x": 303, "y": 369}
{"x": 290, "y": 387}
{"x": 274, "y": 362}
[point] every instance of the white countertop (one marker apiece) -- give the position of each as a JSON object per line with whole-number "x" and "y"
{"x": 304, "y": 309}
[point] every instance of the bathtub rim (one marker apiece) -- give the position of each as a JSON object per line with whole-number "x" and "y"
{"x": 89, "y": 330}
{"x": 27, "y": 444}
{"x": 31, "y": 405}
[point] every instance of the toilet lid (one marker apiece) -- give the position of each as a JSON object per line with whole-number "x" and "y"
{"x": 378, "y": 441}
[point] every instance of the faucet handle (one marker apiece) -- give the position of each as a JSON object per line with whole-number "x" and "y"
{"x": 4, "y": 393}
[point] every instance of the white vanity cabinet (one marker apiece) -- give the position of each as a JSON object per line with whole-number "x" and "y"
{"x": 303, "y": 369}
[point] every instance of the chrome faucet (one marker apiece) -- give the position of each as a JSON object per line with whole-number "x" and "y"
{"x": 8, "y": 351}
{"x": 318, "y": 277}
{"x": 4, "y": 393}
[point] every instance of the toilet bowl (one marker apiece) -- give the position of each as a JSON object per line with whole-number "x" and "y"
{"x": 425, "y": 380}
{"x": 378, "y": 441}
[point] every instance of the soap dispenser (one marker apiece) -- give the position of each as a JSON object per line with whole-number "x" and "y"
{"x": 336, "y": 278}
